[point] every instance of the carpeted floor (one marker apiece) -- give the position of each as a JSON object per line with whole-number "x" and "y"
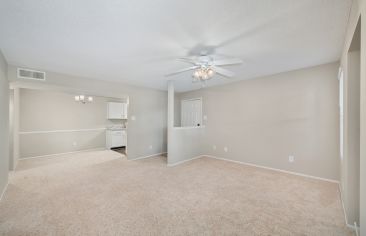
{"x": 102, "y": 193}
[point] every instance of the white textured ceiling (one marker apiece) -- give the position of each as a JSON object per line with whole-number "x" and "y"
{"x": 137, "y": 41}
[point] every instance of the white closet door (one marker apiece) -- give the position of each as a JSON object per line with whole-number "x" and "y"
{"x": 191, "y": 112}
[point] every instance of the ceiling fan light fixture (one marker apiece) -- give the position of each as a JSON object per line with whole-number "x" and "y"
{"x": 210, "y": 72}
{"x": 203, "y": 74}
{"x": 196, "y": 74}
{"x": 205, "y": 67}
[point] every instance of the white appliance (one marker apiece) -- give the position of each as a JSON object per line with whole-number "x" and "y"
{"x": 116, "y": 138}
{"x": 116, "y": 110}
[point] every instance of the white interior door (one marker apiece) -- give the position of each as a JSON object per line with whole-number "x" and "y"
{"x": 191, "y": 112}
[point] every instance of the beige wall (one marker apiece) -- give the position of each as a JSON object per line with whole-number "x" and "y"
{"x": 363, "y": 123}
{"x": 358, "y": 11}
{"x": 362, "y": 9}
{"x": 11, "y": 130}
{"x": 264, "y": 120}
{"x": 42, "y": 110}
{"x": 148, "y": 106}
{"x": 47, "y": 110}
{"x": 177, "y": 111}
{"x": 4, "y": 124}
{"x": 351, "y": 160}
{"x": 184, "y": 143}
{"x": 14, "y": 128}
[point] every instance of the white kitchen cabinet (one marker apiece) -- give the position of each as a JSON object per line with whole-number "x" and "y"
{"x": 116, "y": 138}
{"x": 116, "y": 110}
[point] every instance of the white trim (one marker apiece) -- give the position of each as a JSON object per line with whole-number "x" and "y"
{"x": 190, "y": 127}
{"x": 353, "y": 227}
{"x": 62, "y": 153}
{"x": 144, "y": 157}
{"x": 4, "y": 190}
{"x": 344, "y": 209}
{"x": 191, "y": 99}
{"x": 184, "y": 161}
{"x": 275, "y": 169}
{"x": 60, "y": 131}
{"x": 258, "y": 166}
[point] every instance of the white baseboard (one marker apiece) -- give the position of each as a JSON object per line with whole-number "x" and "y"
{"x": 63, "y": 153}
{"x": 258, "y": 166}
{"x": 181, "y": 162}
{"x": 353, "y": 227}
{"x": 149, "y": 156}
{"x": 342, "y": 202}
{"x": 274, "y": 169}
{"x": 4, "y": 190}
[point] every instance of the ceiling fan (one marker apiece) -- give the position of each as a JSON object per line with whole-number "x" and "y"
{"x": 205, "y": 67}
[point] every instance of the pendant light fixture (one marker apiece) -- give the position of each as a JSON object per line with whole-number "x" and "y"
{"x": 83, "y": 99}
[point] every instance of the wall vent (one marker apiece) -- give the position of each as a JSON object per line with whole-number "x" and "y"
{"x": 31, "y": 74}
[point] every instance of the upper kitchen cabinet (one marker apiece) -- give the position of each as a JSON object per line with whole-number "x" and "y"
{"x": 116, "y": 110}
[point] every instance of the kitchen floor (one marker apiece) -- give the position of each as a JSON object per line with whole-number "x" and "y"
{"x": 121, "y": 150}
{"x": 100, "y": 193}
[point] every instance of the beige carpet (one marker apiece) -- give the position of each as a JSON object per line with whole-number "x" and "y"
{"x": 102, "y": 193}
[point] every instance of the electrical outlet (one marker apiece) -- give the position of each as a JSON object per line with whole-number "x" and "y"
{"x": 74, "y": 143}
{"x": 151, "y": 146}
{"x": 214, "y": 147}
{"x": 204, "y": 117}
{"x": 291, "y": 158}
{"x": 225, "y": 149}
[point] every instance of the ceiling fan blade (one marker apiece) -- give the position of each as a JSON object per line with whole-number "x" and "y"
{"x": 182, "y": 70}
{"x": 223, "y": 71}
{"x": 188, "y": 60}
{"x": 223, "y": 62}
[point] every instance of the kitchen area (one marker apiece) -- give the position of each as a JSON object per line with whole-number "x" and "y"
{"x": 68, "y": 122}
{"x": 116, "y": 130}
